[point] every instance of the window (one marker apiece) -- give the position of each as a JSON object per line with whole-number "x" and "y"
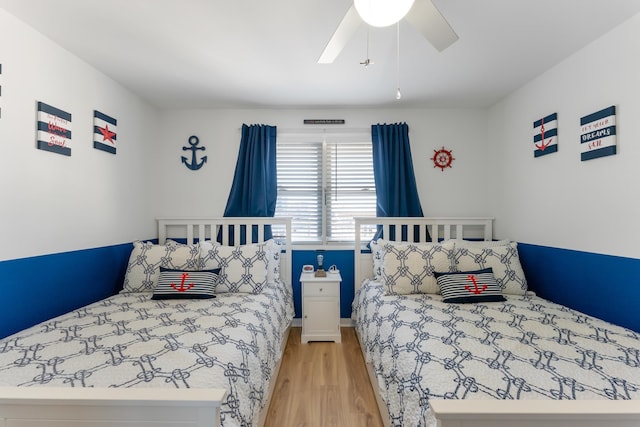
{"x": 323, "y": 183}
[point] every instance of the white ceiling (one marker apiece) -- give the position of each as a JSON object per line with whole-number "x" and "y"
{"x": 263, "y": 53}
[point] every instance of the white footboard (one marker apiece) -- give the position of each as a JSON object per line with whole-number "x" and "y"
{"x": 536, "y": 413}
{"x": 108, "y": 407}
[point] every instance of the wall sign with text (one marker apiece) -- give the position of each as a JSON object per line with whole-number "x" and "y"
{"x": 54, "y": 129}
{"x": 598, "y": 134}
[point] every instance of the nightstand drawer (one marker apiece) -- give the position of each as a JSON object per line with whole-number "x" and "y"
{"x": 322, "y": 289}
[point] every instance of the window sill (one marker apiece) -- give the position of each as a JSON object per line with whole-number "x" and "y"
{"x": 327, "y": 247}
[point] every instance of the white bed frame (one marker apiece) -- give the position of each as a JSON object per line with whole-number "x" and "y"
{"x": 141, "y": 407}
{"x": 197, "y": 229}
{"x": 108, "y": 407}
{"x": 536, "y": 413}
{"x": 439, "y": 229}
{"x": 487, "y": 413}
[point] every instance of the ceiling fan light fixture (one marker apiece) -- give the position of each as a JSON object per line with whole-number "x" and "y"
{"x": 382, "y": 13}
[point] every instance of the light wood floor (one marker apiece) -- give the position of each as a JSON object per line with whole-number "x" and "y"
{"x": 323, "y": 384}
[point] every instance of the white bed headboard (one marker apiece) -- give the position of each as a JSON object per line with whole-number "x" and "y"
{"x": 415, "y": 231}
{"x": 200, "y": 229}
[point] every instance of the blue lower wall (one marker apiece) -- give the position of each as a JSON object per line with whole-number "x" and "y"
{"x": 604, "y": 286}
{"x": 39, "y": 288}
{"x": 343, "y": 260}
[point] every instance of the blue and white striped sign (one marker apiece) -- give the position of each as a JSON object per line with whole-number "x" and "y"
{"x": 598, "y": 134}
{"x": 54, "y": 129}
{"x": 104, "y": 132}
{"x": 545, "y": 135}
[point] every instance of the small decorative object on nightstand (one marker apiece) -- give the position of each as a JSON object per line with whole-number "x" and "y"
{"x": 320, "y": 271}
{"x": 321, "y": 307}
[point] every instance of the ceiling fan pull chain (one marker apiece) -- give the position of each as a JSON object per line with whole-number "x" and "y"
{"x": 367, "y": 60}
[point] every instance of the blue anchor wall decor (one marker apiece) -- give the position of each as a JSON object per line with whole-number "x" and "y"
{"x": 194, "y": 165}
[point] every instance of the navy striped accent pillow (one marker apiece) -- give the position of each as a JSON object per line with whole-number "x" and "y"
{"x": 469, "y": 286}
{"x": 181, "y": 284}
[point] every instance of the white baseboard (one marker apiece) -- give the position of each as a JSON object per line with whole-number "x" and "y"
{"x": 347, "y": 323}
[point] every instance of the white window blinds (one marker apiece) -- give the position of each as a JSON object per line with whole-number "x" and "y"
{"x": 300, "y": 188}
{"x": 323, "y": 184}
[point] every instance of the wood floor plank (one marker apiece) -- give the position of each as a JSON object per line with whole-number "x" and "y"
{"x": 323, "y": 384}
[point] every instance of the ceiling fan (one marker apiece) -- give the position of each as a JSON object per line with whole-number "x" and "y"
{"x": 422, "y": 14}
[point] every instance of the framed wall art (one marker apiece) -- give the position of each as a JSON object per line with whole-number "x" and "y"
{"x": 545, "y": 135}
{"x": 54, "y": 129}
{"x": 104, "y": 132}
{"x": 598, "y": 134}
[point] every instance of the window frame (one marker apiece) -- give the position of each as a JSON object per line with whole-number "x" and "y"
{"x": 326, "y": 137}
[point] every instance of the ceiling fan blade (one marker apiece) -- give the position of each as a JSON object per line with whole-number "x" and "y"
{"x": 341, "y": 36}
{"x": 427, "y": 19}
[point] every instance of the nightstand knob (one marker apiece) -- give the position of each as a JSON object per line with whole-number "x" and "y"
{"x": 320, "y": 289}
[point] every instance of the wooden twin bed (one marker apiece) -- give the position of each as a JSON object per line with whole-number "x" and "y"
{"x": 519, "y": 362}
{"x": 133, "y": 360}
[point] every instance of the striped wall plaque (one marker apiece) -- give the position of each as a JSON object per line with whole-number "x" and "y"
{"x": 545, "y": 135}
{"x": 104, "y": 132}
{"x": 598, "y": 134}
{"x": 54, "y": 129}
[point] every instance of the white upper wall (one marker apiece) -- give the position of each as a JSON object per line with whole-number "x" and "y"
{"x": 457, "y": 191}
{"x": 557, "y": 200}
{"x": 53, "y": 203}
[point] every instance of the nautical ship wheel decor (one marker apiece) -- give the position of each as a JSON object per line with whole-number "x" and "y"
{"x": 442, "y": 158}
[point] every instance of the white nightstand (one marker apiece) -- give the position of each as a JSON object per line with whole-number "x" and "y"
{"x": 321, "y": 307}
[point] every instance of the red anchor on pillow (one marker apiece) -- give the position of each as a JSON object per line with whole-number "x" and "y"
{"x": 476, "y": 290}
{"x": 182, "y": 287}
